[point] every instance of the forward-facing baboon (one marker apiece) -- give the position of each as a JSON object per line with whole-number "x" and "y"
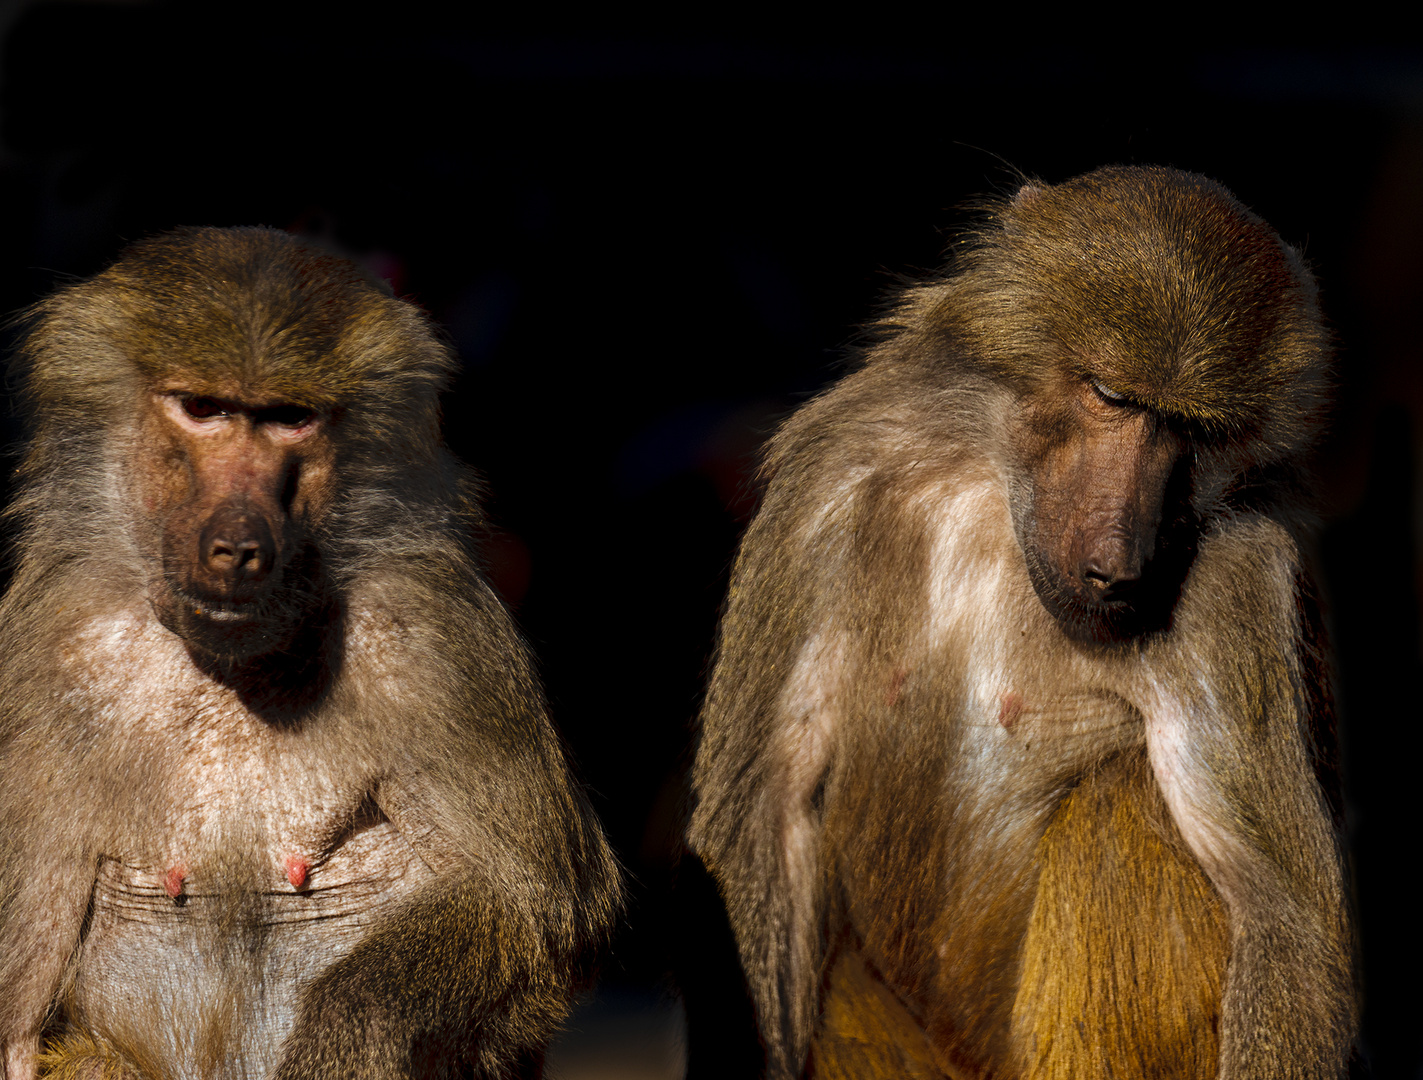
{"x": 278, "y": 794}
{"x": 1015, "y": 758}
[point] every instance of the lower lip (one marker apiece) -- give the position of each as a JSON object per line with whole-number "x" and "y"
{"x": 222, "y": 616}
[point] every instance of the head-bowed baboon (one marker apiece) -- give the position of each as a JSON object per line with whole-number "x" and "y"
{"x": 1009, "y": 760}
{"x": 278, "y": 794}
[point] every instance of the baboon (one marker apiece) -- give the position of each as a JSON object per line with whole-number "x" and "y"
{"x": 278, "y": 792}
{"x": 1017, "y": 755}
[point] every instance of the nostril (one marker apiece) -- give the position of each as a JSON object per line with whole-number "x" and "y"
{"x": 1100, "y": 569}
{"x": 1098, "y": 579}
{"x": 236, "y": 548}
{"x": 235, "y": 555}
{"x": 221, "y": 555}
{"x": 1107, "y": 577}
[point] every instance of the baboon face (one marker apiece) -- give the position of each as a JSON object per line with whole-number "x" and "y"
{"x": 232, "y": 483}
{"x": 1104, "y": 523}
{"x": 1158, "y": 341}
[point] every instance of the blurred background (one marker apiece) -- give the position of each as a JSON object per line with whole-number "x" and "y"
{"x": 648, "y": 244}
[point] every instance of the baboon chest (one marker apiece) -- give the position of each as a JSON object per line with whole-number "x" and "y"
{"x": 246, "y": 866}
{"x": 1013, "y": 740}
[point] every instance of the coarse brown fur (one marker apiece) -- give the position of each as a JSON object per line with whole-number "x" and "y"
{"x": 278, "y": 792}
{"x": 1008, "y": 761}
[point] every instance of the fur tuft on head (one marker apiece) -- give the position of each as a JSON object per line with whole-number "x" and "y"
{"x": 1160, "y": 284}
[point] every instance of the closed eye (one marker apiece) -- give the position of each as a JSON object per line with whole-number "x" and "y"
{"x": 1110, "y": 396}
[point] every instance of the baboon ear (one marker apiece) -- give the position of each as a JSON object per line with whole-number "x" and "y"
{"x": 1026, "y": 195}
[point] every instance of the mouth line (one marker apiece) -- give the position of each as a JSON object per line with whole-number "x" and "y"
{"x": 220, "y": 611}
{"x": 220, "y": 615}
{"x": 1109, "y": 604}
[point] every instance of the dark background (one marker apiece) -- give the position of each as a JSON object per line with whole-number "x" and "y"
{"x": 649, "y": 244}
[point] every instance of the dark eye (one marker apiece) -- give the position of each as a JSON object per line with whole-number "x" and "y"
{"x": 203, "y": 408}
{"x": 292, "y": 416}
{"x": 1110, "y": 396}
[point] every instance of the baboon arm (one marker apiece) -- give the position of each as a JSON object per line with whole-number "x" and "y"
{"x": 39, "y": 930}
{"x": 406, "y": 999}
{"x": 770, "y": 727}
{"x": 765, "y": 847}
{"x": 17, "y": 1059}
{"x": 1230, "y": 746}
{"x": 481, "y": 963}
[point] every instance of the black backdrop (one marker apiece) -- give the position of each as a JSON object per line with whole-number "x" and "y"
{"x": 648, "y": 244}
